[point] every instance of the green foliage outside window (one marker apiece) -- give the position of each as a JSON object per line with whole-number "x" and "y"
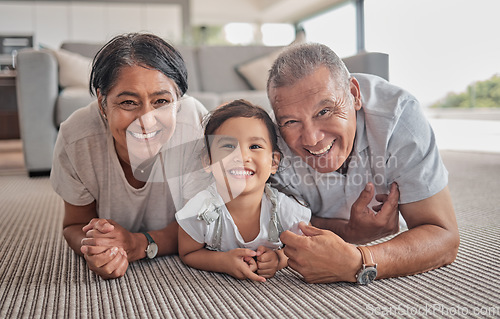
{"x": 479, "y": 94}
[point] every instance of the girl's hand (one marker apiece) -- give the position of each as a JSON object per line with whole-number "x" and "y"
{"x": 267, "y": 262}
{"x": 241, "y": 265}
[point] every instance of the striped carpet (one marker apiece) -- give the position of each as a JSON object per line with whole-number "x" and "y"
{"x": 40, "y": 277}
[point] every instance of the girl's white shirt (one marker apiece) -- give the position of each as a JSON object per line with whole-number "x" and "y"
{"x": 290, "y": 213}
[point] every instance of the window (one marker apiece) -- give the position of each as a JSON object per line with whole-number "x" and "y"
{"x": 335, "y": 28}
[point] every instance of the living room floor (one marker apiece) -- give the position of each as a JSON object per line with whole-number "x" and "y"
{"x": 11, "y": 157}
{"x": 55, "y": 282}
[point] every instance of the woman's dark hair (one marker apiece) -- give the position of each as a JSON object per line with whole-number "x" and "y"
{"x": 239, "y": 108}
{"x": 142, "y": 49}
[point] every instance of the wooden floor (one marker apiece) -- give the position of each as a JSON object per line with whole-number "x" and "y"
{"x": 11, "y": 157}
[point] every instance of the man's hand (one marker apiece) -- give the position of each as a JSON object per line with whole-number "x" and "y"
{"x": 241, "y": 265}
{"x": 320, "y": 256}
{"x": 107, "y": 262}
{"x": 267, "y": 262}
{"x": 107, "y": 233}
{"x": 365, "y": 224}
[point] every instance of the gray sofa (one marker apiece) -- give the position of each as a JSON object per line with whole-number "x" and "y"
{"x": 43, "y": 103}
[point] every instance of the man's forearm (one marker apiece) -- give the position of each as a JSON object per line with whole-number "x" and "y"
{"x": 418, "y": 250}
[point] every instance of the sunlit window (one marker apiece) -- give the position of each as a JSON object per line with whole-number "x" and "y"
{"x": 335, "y": 28}
{"x": 239, "y": 33}
{"x": 274, "y": 34}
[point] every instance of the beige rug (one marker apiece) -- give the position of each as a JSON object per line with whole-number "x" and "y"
{"x": 40, "y": 277}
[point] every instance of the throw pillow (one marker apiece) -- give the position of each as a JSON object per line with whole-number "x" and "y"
{"x": 256, "y": 71}
{"x": 74, "y": 68}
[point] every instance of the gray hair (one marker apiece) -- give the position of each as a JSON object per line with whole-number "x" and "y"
{"x": 299, "y": 61}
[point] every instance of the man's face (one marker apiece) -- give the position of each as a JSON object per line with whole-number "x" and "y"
{"x": 317, "y": 120}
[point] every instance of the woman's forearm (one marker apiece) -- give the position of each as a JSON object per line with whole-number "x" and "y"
{"x": 74, "y": 235}
{"x": 165, "y": 238}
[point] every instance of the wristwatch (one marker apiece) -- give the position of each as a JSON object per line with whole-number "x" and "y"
{"x": 368, "y": 270}
{"x": 152, "y": 248}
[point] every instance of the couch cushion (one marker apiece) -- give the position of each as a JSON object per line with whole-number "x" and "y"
{"x": 209, "y": 100}
{"x": 216, "y": 66}
{"x": 71, "y": 99}
{"x": 74, "y": 68}
{"x": 189, "y": 57}
{"x": 369, "y": 62}
{"x": 88, "y": 50}
{"x": 256, "y": 71}
{"x": 258, "y": 98}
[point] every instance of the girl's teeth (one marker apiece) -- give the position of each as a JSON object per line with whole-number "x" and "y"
{"x": 241, "y": 173}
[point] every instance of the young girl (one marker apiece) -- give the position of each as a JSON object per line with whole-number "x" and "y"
{"x": 234, "y": 226}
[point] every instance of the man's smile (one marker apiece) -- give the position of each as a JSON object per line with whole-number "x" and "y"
{"x": 322, "y": 151}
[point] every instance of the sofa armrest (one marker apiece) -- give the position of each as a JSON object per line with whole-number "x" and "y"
{"x": 37, "y": 91}
{"x": 376, "y": 63}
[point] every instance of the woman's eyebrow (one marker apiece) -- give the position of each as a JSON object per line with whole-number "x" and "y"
{"x": 162, "y": 92}
{"x": 157, "y": 93}
{"x": 127, "y": 93}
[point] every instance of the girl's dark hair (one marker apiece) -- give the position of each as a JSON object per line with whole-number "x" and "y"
{"x": 239, "y": 108}
{"x": 143, "y": 49}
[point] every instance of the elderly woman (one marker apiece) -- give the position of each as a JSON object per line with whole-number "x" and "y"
{"x": 125, "y": 163}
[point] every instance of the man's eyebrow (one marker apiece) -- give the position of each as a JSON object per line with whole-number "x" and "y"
{"x": 320, "y": 104}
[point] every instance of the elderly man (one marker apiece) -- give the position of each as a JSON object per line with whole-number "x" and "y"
{"x": 347, "y": 138}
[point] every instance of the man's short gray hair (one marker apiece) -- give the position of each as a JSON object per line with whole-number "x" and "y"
{"x": 299, "y": 61}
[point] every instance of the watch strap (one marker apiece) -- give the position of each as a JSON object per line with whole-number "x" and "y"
{"x": 149, "y": 238}
{"x": 367, "y": 256}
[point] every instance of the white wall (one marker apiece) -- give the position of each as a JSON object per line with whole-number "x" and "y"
{"x": 52, "y": 23}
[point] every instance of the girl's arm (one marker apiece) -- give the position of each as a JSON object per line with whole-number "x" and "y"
{"x": 238, "y": 262}
{"x": 283, "y": 259}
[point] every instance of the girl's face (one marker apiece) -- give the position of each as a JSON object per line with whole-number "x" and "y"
{"x": 242, "y": 157}
{"x": 141, "y": 113}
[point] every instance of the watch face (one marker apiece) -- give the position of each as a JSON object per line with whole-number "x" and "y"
{"x": 367, "y": 275}
{"x": 152, "y": 250}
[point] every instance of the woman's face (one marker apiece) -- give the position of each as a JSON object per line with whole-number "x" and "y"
{"x": 141, "y": 112}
